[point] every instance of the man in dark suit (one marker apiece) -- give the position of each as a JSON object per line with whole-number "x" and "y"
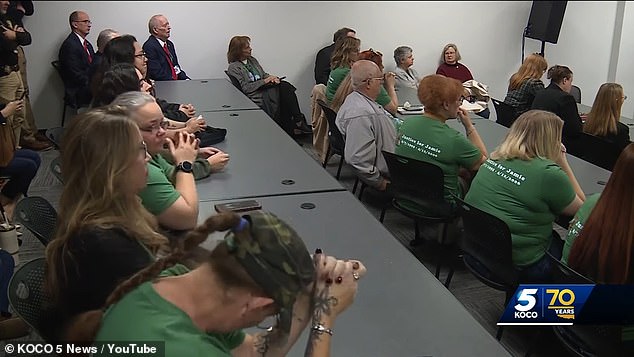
{"x": 322, "y": 61}
{"x": 556, "y": 98}
{"x": 75, "y": 56}
{"x": 162, "y": 62}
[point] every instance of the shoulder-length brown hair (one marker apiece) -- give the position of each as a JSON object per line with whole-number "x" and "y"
{"x": 606, "y": 110}
{"x": 533, "y": 67}
{"x": 344, "y": 48}
{"x": 236, "y": 45}
{"x": 604, "y": 248}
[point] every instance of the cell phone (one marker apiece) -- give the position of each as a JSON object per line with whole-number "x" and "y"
{"x": 238, "y": 206}
{"x": 283, "y": 77}
{"x": 23, "y": 94}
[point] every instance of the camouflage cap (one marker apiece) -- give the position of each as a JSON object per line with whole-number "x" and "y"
{"x": 275, "y": 257}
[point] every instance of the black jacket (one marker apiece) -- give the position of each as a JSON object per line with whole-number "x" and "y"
{"x": 554, "y": 99}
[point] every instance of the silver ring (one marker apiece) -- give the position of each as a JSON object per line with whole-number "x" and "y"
{"x": 355, "y": 275}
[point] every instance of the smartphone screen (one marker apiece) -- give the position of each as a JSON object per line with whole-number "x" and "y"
{"x": 238, "y": 206}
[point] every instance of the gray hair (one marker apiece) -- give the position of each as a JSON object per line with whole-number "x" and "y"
{"x": 133, "y": 101}
{"x": 154, "y": 22}
{"x": 400, "y": 53}
{"x": 105, "y": 36}
{"x": 361, "y": 71}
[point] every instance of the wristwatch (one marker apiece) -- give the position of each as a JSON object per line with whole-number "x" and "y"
{"x": 185, "y": 166}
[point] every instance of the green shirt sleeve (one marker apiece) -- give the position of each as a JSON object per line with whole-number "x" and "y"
{"x": 383, "y": 98}
{"x": 334, "y": 81}
{"x": 557, "y": 189}
{"x": 160, "y": 193}
{"x": 466, "y": 153}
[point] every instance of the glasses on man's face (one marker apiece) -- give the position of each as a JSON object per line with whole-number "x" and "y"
{"x": 156, "y": 127}
{"x": 140, "y": 55}
{"x": 84, "y": 21}
{"x": 369, "y": 80}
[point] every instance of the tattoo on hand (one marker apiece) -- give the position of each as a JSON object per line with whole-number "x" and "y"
{"x": 322, "y": 306}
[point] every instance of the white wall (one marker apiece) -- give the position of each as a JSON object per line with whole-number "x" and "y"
{"x": 286, "y": 36}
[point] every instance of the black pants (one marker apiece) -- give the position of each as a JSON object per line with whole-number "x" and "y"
{"x": 289, "y": 113}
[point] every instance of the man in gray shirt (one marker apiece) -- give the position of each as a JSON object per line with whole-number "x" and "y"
{"x": 366, "y": 126}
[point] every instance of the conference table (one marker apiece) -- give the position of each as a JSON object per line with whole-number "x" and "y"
{"x": 591, "y": 178}
{"x": 205, "y": 94}
{"x": 400, "y": 309}
{"x": 264, "y": 160}
{"x": 585, "y": 109}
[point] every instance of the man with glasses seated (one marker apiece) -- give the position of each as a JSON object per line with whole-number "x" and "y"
{"x": 75, "y": 56}
{"x": 366, "y": 126}
{"x": 170, "y": 193}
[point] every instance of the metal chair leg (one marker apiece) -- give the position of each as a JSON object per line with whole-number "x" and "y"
{"x": 383, "y": 213}
{"x": 354, "y": 188}
{"x": 339, "y": 169}
{"x": 325, "y": 163}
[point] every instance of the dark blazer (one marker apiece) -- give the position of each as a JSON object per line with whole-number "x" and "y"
{"x": 76, "y": 68}
{"x": 322, "y": 64}
{"x": 621, "y": 138}
{"x": 158, "y": 67}
{"x": 554, "y": 99}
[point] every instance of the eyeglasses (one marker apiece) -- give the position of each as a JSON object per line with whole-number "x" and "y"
{"x": 375, "y": 52}
{"x": 84, "y": 21}
{"x": 381, "y": 79}
{"x": 461, "y": 99}
{"x": 156, "y": 127}
{"x": 140, "y": 55}
{"x": 624, "y": 97}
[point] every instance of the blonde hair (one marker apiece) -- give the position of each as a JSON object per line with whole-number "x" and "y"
{"x": 444, "y": 49}
{"x": 606, "y": 110}
{"x": 536, "y": 133}
{"x": 97, "y": 149}
{"x": 533, "y": 67}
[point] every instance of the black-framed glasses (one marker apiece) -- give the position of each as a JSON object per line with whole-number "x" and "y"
{"x": 156, "y": 127}
{"x": 375, "y": 52}
{"x": 624, "y": 97}
{"x": 461, "y": 99}
{"x": 140, "y": 55}
{"x": 381, "y": 79}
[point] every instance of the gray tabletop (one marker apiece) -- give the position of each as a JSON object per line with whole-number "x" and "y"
{"x": 585, "y": 109}
{"x": 264, "y": 161}
{"x": 588, "y": 175}
{"x": 401, "y": 309}
{"x": 204, "y": 94}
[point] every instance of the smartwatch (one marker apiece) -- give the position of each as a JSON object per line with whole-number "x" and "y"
{"x": 185, "y": 166}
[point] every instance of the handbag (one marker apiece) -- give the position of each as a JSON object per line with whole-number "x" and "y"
{"x": 478, "y": 90}
{"x": 7, "y": 144}
{"x": 211, "y": 136}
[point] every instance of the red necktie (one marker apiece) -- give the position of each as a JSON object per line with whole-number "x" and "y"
{"x": 169, "y": 60}
{"x": 87, "y": 51}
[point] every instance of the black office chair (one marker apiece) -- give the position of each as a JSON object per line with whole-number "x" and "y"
{"x": 487, "y": 250}
{"x": 26, "y": 292}
{"x": 576, "y": 93}
{"x": 505, "y": 113}
{"x": 336, "y": 141}
{"x": 418, "y": 189}
{"x": 595, "y": 150}
{"x": 55, "y": 136}
{"x": 38, "y": 216}
{"x": 563, "y": 274}
{"x": 234, "y": 81}
{"x": 68, "y": 100}
{"x": 56, "y": 168}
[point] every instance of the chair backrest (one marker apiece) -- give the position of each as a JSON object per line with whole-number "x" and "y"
{"x": 26, "y": 291}
{"x": 595, "y": 150}
{"x": 487, "y": 239}
{"x": 563, "y": 274}
{"x": 56, "y": 168}
{"x": 234, "y": 81}
{"x": 55, "y": 135}
{"x": 576, "y": 93}
{"x": 592, "y": 340}
{"x": 7, "y": 264}
{"x": 68, "y": 98}
{"x": 38, "y": 216}
{"x": 335, "y": 137}
{"x": 505, "y": 113}
{"x": 415, "y": 180}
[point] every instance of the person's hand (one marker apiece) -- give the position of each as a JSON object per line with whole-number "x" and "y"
{"x": 562, "y": 159}
{"x": 383, "y": 184}
{"x": 188, "y": 109}
{"x": 271, "y": 79}
{"x": 195, "y": 125}
{"x": 218, "y": 161}
{"x": 12, "y": 107}
{"x": 185, "y": 148}
{"x": 463, "y": 116}
{"x": 335, "y": 285}
{"x": 207, "y": 151}
{"x": 390, "y": 79}
{"x": 18, "y": 28}
{"x": 8, "y": 33}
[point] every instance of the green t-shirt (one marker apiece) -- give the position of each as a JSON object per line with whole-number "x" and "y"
{"x": 577, "y": 224}
{"x": 160, "y": 193}
{"x": 429, "y": 140}
{"x": 338, "y": 75}
{"x": 143, "y": 315}
{"x": 527, "y": 196}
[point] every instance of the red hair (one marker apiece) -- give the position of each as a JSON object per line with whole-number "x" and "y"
{"x": 603, "y": 249}
{"x": 434, "y": 90}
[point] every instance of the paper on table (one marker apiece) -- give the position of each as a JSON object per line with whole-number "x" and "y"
{"x": 403, "y": 111}
{"x": 471, "y": 107}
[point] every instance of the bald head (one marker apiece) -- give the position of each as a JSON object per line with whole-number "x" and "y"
{"x": 361, "y": 71}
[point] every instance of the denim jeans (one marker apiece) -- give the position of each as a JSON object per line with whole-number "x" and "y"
{"x": 22, "y": 170}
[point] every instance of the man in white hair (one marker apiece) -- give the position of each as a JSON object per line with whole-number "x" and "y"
{"x": 366, "y": 126}
{"x": 162, "y": 62}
